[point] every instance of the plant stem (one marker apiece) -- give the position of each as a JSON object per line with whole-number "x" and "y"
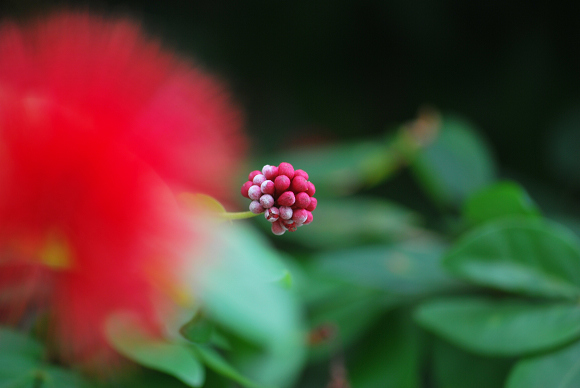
{"x": 237, "y": 215}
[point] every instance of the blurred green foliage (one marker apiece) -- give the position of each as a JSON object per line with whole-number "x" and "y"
{"x": 440, "y": 254}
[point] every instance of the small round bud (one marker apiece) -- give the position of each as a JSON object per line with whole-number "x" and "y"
{"x": 258, "y": 179}
{"x": 272, "y": 214}
{"x": 301, "y": 173}
{"x": 311, "y": 189}
{"x": 285, "y": 212}
{"x": 256, "y": 208}
{"x": 302, "y": 200}
{"x": 293, "y": 227}
{"x": 298, "y": 184}
{"x": 287, "y": 223}
{"x": 312, "y": 205}
{"x": 308, "y": 218}
{"x": 253, "y": 174}
{"x": 287, "y": 198}
{"x": 300, "y": 215}
{"x": 270, "y": 172}
{"x": 286, "y": 169}
{"x": 278, "y": 229}
{"x": 282, "y": 183}
{"x": 245, "y": 188}
{"x": 254, "y": 192}
{"x": 267, "y": 201}
{"x": 268, "y": 187}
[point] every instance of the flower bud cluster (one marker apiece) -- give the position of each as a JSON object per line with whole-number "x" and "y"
{"x": 284, "y": 195}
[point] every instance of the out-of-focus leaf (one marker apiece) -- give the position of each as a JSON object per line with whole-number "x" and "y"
{"x": 342, "y": 169}
{"x": 409, "y": 269}
{"x": 559, "y": 369}
{"x": 238, "y": 289}
{"x": 347, "y": 313}
{"x": 456, "y": 164}
{"x": 497, "y": 201}
{"x": 19, "y": 359}
{"x": 541, "y": 259}
{"x": 353, "y": 221}
{"x": 388, "y": 356}
{"x": 54, "y": 377}
{"x": 456, "y": 368}
{"x": 198, "y": 329}
{"x": 501, "y": 327}
{"x": 128, "y": 338}
{"x": 215, "y": 361}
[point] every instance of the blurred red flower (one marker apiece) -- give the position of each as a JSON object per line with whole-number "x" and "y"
{"x": 99, "y": 129}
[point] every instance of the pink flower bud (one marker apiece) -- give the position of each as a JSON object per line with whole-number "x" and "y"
{"x": 312, "y": 205}
{"x": 282, "y": 183}
{"x": 253, "y": 174}
{"x": 298, "y": 184}
{"x": 272, "y": 214}
{"x": 270, "y": 172}
{"x": 308, "y": 218}
{"x": 300, "y": 215}
{"x": 245, "y": 188}
{"x": 259, "y": 179}
{"x": 256, "y": 208}
{"x": 267, "y": 201}
{"x": 286, "y": 169}
{"x": 311, "y": 189}
{"x": 287, "y": 198}
{"x": 302, "y": 200}
{"x": 285, "y": 212}
{"x": 278, "y": 229}
{"x": 254, "y": 192}
{"x": 268, "y": 187}
{"x": 287, "y": 223}
{"x": 301, "y": 173}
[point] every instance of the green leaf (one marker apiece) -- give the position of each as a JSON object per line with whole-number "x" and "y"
{"x": 354, "y": 221}
{"x": 501, "y": 327}
{"x": 387, "y": 358}
{"x": 497, "y": 201}
{"x": 215, "y": 361}
{"x": 456, "y": 368}
{"x": 238, "y": 288}
{"x": 198, "y": 329}
{"x": 456, "y": 164}
{"x": 559, "y": 369}
{"x": 128, "y": 338}
{"x": 342, "y": 169}
{"x": 410, "y": 268}
{"x": 19, "y": 359}
{"x": 540, "y": 259}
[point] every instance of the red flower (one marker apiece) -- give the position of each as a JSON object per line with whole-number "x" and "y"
{"x": 99, "y": 129}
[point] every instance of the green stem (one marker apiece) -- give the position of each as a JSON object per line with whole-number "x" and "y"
{"x": 237, "y": 215}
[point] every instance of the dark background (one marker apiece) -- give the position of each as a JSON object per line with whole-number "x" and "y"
{"x": 309, "y": 71}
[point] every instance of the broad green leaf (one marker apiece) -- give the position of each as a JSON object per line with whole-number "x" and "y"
{"x": 354, "y": 221}
{"x": 497, "y": 201}
{"x": 127, "y": 337}
{"x": 342, "y": 169}
{"x": 388, "y": 356}
{"x": 501, "y": 327}
{"x": 20, "y": 358}
{"x": 456, "y": 164}
{"x": 198, "y": 329}
{"x": 410, "y": 268}
{"x": 215, "y": 361}
{"x": 533, "y": 258}
{"x": 456, "y": 368}
{"x": 237, "y": 286}
{"x": 559, "y": 369}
